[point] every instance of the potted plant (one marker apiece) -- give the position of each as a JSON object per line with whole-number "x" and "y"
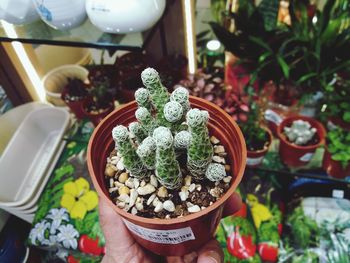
{"x": 257, "y": 136}
{"x": 336, "y": 159}
{"x": 74, "y": 94}
{"x": 169, "y": 210}
{"x": 101, "y": 101}
{"x": 299, "y": 137}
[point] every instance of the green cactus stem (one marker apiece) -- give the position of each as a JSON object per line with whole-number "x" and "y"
{"x": 143, "y": 98}
{"x": 200, "y": 151}
{"x": 215, "y": 172}
{"x": 146, "y": 120}
{"x": 159, "y": 94}
{"x": 124, "y": 146}
{"x": 168, "y": 170}
{"x": 137, "y": 131}
{"x": 147, "y": 152}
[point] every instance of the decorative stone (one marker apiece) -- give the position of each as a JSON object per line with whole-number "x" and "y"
{"x": 194, "y": 209}
{"x": 198, "y": 187}
{"x": 130, "y": 183}
{"x": 150, "y": 199}
{"x": 227, "y": 168}
{"x": 169, "y": 206}
{"x": 189, "y": 204}
{"x": 109, "y": 171}
{"x": 203, "y": 207}
{"x": 214, "y": 140}
{"x": 159, "y": 207}
{"x": 188, "y": 179}
{"x": 121, "y": 204}
{"x": 145, "y": 190}
{"x": 143, "y": 183}
{"x": 123, "y": 177}
{"x": 111, "y": 190}
{"x": 219, "y": 159}
{"x": 227, "y": 179}
{"x": 139, "y": 206}
{"x": 183, "y": 195}
{"x": 120, "y": 165}
{"x": 134, "y": 211}
{"x": 115, "y": 160}
{"x": 154, "y": 181}
{"x": 219, "y": 149}
{"x": 215, "y": 192}
{"x": 133, "y": 197}
{"x": 162, "y": 192}
{"x": 124, "y": 190}
{"x": 184, "y": 188}
{"x": 136, "y": 183}
{"x": 155, "y": 201}
{"x": 167, "y": 216}
{"x": 191, "y": 188}
{"x": 111, "y": 182}
{"x": 124, "y": 198}
{"x": 117, "y": 184}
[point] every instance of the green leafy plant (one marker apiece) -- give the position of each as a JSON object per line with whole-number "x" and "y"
{"x": 338, "y": 144}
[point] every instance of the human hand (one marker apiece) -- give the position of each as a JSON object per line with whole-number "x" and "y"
{"x": 122, "y": 248}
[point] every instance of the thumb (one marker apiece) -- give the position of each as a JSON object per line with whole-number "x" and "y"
{"x": 211, "y": 253}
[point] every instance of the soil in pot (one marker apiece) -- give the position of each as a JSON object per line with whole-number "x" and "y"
{"x": 147, "y": 198}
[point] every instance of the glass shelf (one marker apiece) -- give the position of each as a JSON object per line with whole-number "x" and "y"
{"x": 86, "y": 35}
{"x": 313, "y": 170}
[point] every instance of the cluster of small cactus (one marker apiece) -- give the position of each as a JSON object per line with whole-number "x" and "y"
{"x": 166, "y": 127}
{"x": 300, "y": 132}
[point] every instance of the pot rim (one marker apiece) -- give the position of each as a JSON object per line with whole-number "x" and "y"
{"x": 266, "y": 148}
{"x": 158, "y": 221}
{"x": 314, "y": 123}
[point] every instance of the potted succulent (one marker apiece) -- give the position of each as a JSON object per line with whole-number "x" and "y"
{"x": 170, "y": 172}
{"x": 336, "y": 159}
{"x": 101, "y": 101}
{"x": 74, "y": 94}
{"x": 299, "y": 137}
{"x": 257, "y": 136}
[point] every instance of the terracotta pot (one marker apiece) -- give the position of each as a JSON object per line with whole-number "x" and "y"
{"x": 75, "y": 106}
{"x": 334, "y": 168}
{"x": 255, "y": 158}
{"x": 95, "y": 118}
{"x": 295, "y": 155}
{"x": 189, "y": 232}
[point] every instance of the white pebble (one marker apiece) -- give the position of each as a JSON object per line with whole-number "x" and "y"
{"x": 134, "y": 211}
{"x": 136, "y": 183}
{"x": 198, "y": 187}
{"x": 194, "y": 209}
{"x": 162, "y": 192}
{"x": 155, "y": 201}
{"x": 111, "y": 190}
{"x": 111, "y": 182}
{"x": 183, "y": 196}
{"x": 227, "y": 179}
{"x": 203, "y": 207}
{"x": 124, "y": 198}
{"x": 211, "y": 203}
{"x": 121, "y": 204}
{"x": 118, "y": 184}
{"x": 133, "y": 197}
{"x": 159, "y": 207}
{"x": 189, "y": 204}
{"x": 167, "y": 216}
{"x": 120, "y": 165}
{"x": 145, "y": 190}
{"x": 150, "y": 199}
{"x": 139, "y": 206}
{"x": 143, "y": 183}
{"x": 169, "y": 206}
{"x": 154, "y": 181}
{"x": 188, "y": 179}
{"x": 214, "y": 140}
{"x": 191, "y": 188}
{"x": 219, "y": 159}
{"x": 130, "y": 183}
{"x": 219, "y": 149}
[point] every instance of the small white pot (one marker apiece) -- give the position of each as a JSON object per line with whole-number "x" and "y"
{"x": 18, "y": 12}
{"x": 124, "y": 16}
{"x": 61, "y": 14}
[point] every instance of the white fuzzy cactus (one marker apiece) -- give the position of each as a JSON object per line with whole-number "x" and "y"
{"x": 146, "y": 119}
{"x": 173, "y": 111}
{"x": 182, "y": 140}
{"x": 181, "y": 95}
{"x": 300, "y": 132}
{"x": 147, "y": 152}
{"x": 215, "y": 172}
{"x": 143, "y": 98}
{"x": 137, "y": 131}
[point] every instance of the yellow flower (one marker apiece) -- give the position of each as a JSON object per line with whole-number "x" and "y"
{"x": 78, "y": 199}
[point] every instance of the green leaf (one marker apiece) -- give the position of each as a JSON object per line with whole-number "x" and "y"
{"x": 260, "y": 42}
{"x": 306, "y": 77}
{"x": 284, "y": 66}
{"x": 346, "y": 116}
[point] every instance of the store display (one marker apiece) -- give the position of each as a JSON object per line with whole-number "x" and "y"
{"x": 62, "y": 14}
{"x": 122, "y": 17}
{"x": 18, "y": 12}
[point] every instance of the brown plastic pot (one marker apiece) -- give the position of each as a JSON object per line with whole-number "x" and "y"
{"x": 75, "y": 106}
{"x": 295, "y": 155}
{"x": 95, "y": 118}
{"x": 334, "y": 168}
{"x": 255, "y": 158}
{"x": 184, "y": 234}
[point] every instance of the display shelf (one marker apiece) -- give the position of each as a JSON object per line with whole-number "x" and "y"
{"x": 86, "y": 35}
{"x": 272, "y": 164}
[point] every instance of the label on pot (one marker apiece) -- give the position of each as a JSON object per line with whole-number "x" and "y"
{"x": 306, "y": 157}
{"x": 272, "y": 116}
{"x": 169, "y": 236}
{"x": 254, "y": 161}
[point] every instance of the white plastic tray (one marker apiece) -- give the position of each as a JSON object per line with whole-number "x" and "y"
{"x": 29, "y": 154}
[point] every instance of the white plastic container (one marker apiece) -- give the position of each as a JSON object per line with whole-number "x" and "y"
{"x": 18, "y": 12}
{"x": 29, "y": 154}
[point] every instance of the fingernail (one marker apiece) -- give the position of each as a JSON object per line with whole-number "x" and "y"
{"x": 210, "y": 257}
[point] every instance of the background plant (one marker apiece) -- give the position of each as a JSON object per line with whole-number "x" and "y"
{"x": 338, "y": 144}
